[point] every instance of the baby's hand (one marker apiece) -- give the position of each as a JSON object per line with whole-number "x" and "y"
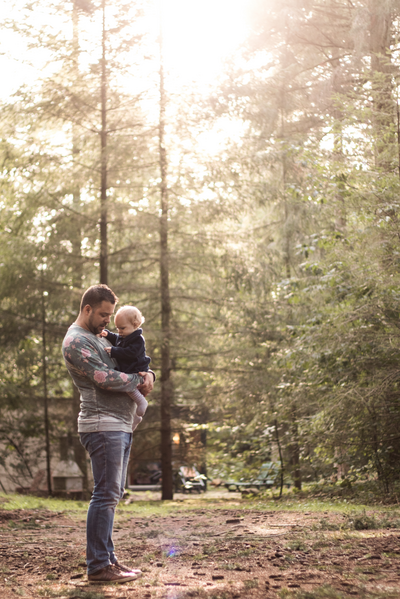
{"x": 108, "y": 350}
{"x": 104, "y": 333}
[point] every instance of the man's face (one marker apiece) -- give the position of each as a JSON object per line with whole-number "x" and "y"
{"x": 96, "y": 319}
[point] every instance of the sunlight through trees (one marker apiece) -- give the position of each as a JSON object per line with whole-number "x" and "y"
{"x": 251, "y": 214}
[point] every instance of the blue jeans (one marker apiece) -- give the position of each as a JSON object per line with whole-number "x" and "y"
{"x": 109, "y": 455}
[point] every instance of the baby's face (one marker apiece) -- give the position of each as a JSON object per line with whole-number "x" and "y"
{"x": 124, "y": 326}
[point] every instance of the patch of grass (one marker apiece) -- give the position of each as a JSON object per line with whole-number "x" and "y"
{"x": 363, "y": 521}
{"x": 209, "y": 549}
{"x": 328, "y": 592}
{"x": 310, "y": 499}
{"x": 250, "y": 584}
{"x": 49, "y": 592}
{"x": 30, "y": 502}
{"x": 325, "y": 592}
{"x": 149, "y": 556}
{"x": 150, "y": 534}
{"x": 199, "y": 556}
{"x": 24, "y": 525}
{"x": 155, "y": 508}
{"x": 75, "y": 593}
{"x": 149, "y": 508}
{"x": 360, "y": 520}
{"x": 197, "y": 593}
{"x": 143, "y": 581}
{"x": 321, "y": 544}
{"x": 84, "y": 594}
{"x": 324, "y": 524}
{"x": 245, "y": 552}
{"x": 229, "y": 566}
{"x": 296, "y": 545}
{"x": 223, "y": 595}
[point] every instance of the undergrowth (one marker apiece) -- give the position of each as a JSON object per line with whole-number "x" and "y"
{"x": 328, "y": 592}
{"x": 356, "y": 520}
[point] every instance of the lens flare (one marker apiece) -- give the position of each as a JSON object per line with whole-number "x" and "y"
{"x": 173, "y": 551}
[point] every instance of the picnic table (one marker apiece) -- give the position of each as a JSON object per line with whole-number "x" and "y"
{"x": 266, "y": 478}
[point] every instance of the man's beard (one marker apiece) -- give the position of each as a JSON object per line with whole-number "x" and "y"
{"x": 93, "y": 329}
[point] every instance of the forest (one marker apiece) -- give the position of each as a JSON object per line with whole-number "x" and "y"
{"x": 256, "y": 226}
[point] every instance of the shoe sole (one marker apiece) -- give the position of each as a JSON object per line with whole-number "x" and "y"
{"x": 120, "y": 581}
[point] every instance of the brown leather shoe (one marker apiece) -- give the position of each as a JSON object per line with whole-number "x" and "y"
{"x": 124, "y": 568}
{"x": 111, "y": 574}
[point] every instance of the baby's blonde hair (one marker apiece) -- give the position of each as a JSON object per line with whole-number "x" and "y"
{"x": 133, "y": 314}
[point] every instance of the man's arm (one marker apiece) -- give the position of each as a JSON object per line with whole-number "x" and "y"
{"x": 148, "y": 382}
{"x": 83, "y": 360}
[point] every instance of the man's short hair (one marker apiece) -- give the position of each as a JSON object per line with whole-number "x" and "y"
{"x": 97, "y": 294}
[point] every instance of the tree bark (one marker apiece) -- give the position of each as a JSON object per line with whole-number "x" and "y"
{"x": 280, "y": 458}
{"x": 295, "y": 456}
{"x": 76, "y": 240}
{"x": 166, "y": 389}
{"x": 45, "y": 394}
{"x": 382, "y": 86}
{"x": 286, "y": 228}
{"x": 103, "y": 163}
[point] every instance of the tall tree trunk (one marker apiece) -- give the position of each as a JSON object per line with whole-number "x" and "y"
{"x": 294, "y": 446}
{"x": 166, "y": 389}
{"x": 280, "y": 458}
{"x": 76, "y": 231}
{"x": 295, "y": 455}
{"x": 103, "y": 164}
{"x": 45, "y": 395}
{"x": 338, "y": 156}
{"x": 398, "y": 132}
{"x": 382, "y": 87}
{"x": 76, "y": 240}
{"x": 286, "y": 227}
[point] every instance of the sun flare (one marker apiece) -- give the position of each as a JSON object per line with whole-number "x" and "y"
{"x": 198, "y": 36}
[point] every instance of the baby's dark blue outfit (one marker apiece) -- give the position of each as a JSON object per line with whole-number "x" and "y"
{"x": 129, "y": 351}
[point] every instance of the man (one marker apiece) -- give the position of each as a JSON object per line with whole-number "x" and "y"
{"x": 104, "y": 424}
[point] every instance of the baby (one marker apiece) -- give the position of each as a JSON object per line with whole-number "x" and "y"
{"x": 130, "y": 351}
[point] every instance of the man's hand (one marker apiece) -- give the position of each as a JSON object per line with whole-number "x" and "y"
{"x": 148, "y": 383}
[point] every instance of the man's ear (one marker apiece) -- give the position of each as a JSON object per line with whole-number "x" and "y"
{"x": 87, "y": 309}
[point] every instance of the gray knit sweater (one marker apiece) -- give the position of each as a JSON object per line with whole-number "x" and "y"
{"x": 104, "y": 390}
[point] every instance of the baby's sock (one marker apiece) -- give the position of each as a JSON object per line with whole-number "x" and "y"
{"x": 141, "y": 404}
{"x": 140, "y": 401}
{"x": 136, "y": 421}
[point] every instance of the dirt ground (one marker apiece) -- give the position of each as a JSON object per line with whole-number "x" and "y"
{"x": 210, "y": 553}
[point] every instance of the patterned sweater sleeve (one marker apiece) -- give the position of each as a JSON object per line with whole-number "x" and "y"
{"x": 83, "y": 360}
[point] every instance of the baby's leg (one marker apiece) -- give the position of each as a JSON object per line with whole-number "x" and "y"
{"x": 136, "y": 421}
{"x": 140, "y": 401}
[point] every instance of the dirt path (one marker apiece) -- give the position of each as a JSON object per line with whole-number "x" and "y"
{"x": 206, "y": 553}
